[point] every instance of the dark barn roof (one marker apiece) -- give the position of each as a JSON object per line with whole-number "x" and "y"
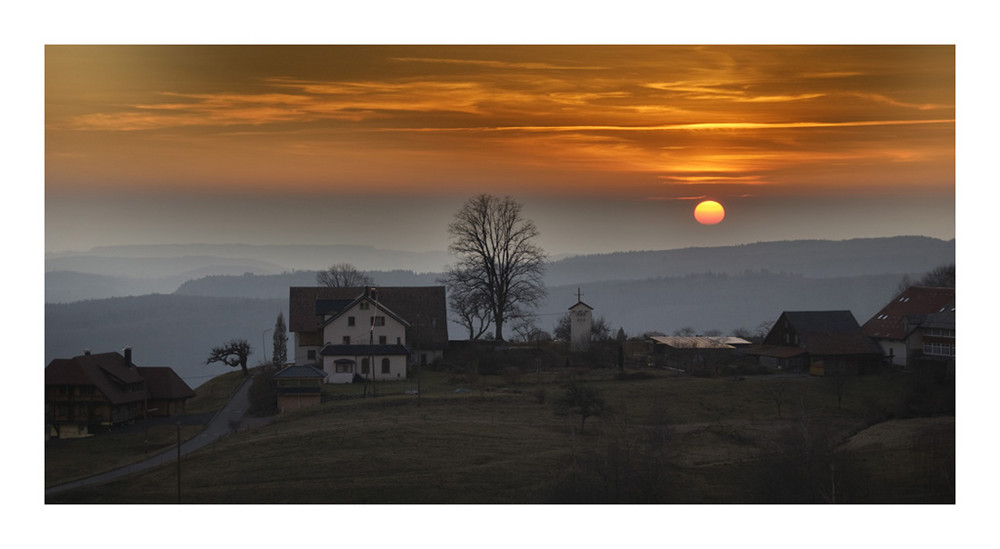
{"x": 825, "y": 333}
{"x": 834, "y": 322}
{"x": 110, "y": 373}
{"x": 164, "y": 383}
{"x": 117, "y": 379}
{"x": 423, "y": 307}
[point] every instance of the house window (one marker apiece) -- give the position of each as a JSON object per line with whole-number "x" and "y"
{"x": 939, "y": 349}
{"x": 381, "y": 340}
{"x": 385, "y": 365}
{"x": 378, "y": 321}
{"x": 347, "y": 340}
{"x": 399, "y": 341}
{"x": 363, "y": 306}
{"x": 364, "y": 365}
{"x": 345, "y": 367}
{"x": 350, "y": 321}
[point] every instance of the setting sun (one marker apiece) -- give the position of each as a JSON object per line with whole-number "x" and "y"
{"x": 709, "y": 212}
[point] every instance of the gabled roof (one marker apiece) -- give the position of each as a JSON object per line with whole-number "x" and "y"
{"x": 109, "y": 373}
{"x": 164, "y": 383}
{"x": 825, "y": 333}
{"x": 335, "y": 314}
{"x": 300, "y": 372}
{"x": 579, "y": 304}
{"x": 889, "y": 322}
{"x": 822, "y": 321}
{"x": 424, "y": 307}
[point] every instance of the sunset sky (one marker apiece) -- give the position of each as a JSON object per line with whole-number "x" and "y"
{"x": 608, "y": 147}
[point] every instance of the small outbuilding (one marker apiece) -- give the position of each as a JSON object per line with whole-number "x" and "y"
{"x": 298, "y": 386}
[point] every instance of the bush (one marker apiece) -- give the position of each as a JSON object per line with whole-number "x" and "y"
{"x": 263, "y": 395}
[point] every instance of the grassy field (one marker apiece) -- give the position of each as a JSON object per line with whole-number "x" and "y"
{"x": 665, "y": 437}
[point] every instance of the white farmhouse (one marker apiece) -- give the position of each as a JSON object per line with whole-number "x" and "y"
{"x": 371, "y": 332}
{"x": 363, "y": 337}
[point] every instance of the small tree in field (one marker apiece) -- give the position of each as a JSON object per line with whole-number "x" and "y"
{"x": 582, "y": 400}
{"x": 232, "y": 354}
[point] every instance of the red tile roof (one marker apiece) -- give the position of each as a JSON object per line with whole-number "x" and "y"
{"x": 916, "y": 300}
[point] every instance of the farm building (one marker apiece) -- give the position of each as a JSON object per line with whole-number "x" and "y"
{"x": 91, "y": 393}
{"x": 823, "y": 342}
{"x": 298, "y": 387}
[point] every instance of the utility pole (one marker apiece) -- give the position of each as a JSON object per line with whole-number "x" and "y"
{"x": 178, "y": 462}
{"x": 371, "y": 353}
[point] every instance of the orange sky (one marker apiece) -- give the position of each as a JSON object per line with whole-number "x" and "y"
{"x": 641, "y": 123}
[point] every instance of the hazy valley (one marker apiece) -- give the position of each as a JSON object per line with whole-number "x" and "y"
{"x": 172, "y": 310}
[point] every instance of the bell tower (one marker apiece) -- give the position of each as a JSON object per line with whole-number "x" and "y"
{"x": 581, "y": 322}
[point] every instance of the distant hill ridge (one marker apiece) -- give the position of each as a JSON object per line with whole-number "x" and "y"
{"x": 814, "y": 258}
{"x": 720, "y": 288}
{"x": 226, "y": 276}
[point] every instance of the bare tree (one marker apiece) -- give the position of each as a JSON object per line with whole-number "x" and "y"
{"x": 939, "y": 277}
{"x": 498, "y": 260}
{"x": 343, "y": 275}
{"x": 471, "y": 306}
{"x": 942, "y": 276}
{"x": 232, "y": 354}
{"x": 686, "y": 331}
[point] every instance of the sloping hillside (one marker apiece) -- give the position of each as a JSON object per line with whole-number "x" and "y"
{"x": 163, "y": 330}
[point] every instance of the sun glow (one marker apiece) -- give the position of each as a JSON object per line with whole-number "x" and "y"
{"x": 709, "y": 212}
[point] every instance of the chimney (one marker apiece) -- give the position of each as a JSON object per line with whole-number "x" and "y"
{"x": 373, "y": 294}
{"x": 127, "y": 351}
{"x": 86, "y": 352}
